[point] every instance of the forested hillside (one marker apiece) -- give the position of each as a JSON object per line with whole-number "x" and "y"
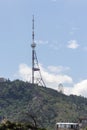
{"x": 23, "y": 102}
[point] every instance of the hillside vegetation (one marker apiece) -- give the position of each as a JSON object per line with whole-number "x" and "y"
{"x": 24, "y": 102}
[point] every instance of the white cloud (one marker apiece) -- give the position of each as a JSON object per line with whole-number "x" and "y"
{"x": 73, "y": 44}
{"x": 24, "y": 72}
{"x": 55, "y": 78}
{"x": 77, "y": 89}
{"x": 58, "y": 69}
{"x": 80, "y": 88}
{"x": 52, "y": 80}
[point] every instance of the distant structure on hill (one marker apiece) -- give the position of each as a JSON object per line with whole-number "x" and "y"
{"x": 35, "y": 65}
{"x": 2, "y": 79}
{"x": 60, "y": 88}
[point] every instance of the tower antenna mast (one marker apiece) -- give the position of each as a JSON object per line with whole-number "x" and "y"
{"x": 35, "y": 66}
{"x": 33, "y": 45}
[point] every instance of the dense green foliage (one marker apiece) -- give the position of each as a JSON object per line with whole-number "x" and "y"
{"x": 7, "y": 125}
{"x": 40, "y": 106}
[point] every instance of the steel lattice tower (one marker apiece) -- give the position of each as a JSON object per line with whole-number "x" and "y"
{"x": 35, "y": 65}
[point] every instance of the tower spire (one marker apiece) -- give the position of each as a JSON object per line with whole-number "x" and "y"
{"x": 33, "y": 45}
{"x": 33, "y": 29}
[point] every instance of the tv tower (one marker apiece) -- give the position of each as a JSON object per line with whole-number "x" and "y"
{"x": 35, "y": 65}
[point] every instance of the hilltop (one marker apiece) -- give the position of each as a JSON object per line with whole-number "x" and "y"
{"x": 24, "y": 102}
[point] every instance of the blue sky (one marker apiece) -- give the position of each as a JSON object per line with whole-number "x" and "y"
{"x": 60, "y": 35}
